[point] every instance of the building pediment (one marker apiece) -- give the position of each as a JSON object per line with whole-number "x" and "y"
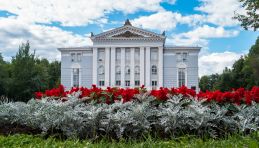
{"x": 128, "y": 32}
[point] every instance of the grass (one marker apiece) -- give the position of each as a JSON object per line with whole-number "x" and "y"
{"x": 37, "y": 141}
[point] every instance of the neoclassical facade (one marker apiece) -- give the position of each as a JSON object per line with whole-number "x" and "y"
{"x": 129, "y": 57}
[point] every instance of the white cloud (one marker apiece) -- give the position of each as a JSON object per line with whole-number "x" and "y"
{"x": 76, "y": 13}
{"x": 44, "y": 39}
{"x": 200, "y": 36}
{"x": 216, "y": 62}
{"x": 220, "y": 12}
{"x": 162, "y": 21}
{"x": 166, "y": 20}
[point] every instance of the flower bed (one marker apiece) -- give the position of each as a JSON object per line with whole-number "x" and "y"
{"x": 132, "y": 113}
{"x": 111, "y": 95}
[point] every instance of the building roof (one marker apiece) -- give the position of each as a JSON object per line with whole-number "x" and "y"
{"x": 128, "y": 32}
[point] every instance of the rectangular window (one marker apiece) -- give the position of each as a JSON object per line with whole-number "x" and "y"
{"x": 154, "y": 55}
{"x": 193, "y": 87}
{"x": 127, "y": 83}
{"x": 154, "y": 83}
{"x": 79, "y": 57}
{"x": 101, "y": 83}
{"x": 137, "y": 83}
{"x": 179, "y": 57}
{"x": 181, "y": 77}
{"x": 127, "y": 54}
{"x": 137, "y": 55}
{"x": 73, "y": 57}
{"x": 75, "y": 77}
{"x": 118, "y": 54}
{"x": 118, "y": 83}
{"x": 101, "y": 55}
{"x": 184, "y": 56}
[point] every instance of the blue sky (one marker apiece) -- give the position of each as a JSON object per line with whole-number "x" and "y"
{"x": 64, "y": 23}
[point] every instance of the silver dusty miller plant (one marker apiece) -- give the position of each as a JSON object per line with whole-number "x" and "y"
{"x": 176, "y": 116}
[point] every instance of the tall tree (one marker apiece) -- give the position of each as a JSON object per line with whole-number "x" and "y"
{"x": 225, "y": 81}
{"x": 25, "y": 75}
{"x": 208, "y": 82}
{"x": 54, "y": 71}
{"x": 251, "y": 18}
{"x": 3, "y": 76}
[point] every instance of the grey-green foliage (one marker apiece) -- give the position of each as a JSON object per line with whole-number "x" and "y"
{"x": 177, "y": 116}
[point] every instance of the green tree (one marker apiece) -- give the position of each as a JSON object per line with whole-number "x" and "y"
{"x": 251, "y": 18}
{"x": 252, "y": 65}
{"x": 208, "y": 82}
{"x": 225, "y": 81}
{"x": 3, "y": 76}
{"x": 26, "y": 75}
{"x": 54, "y": 71}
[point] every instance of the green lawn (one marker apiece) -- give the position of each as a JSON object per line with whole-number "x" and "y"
{"x": 37, "y": 141}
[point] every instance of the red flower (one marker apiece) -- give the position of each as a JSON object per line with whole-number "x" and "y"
{"x": 38, "y": 95}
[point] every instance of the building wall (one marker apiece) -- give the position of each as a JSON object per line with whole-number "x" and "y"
{"x": 170, "y": 69}
{"x": 85, "y": 68}
{"x": 192, "y": 71}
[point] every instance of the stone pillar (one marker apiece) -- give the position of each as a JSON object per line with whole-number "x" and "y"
{"x": 142, "y": 66}
{"x": 107, "y": 66}
{"x": 148, "y": 68}
{"x": 113, "y": 63}
{"x": 132, "y": 67}
{"x": 95, "y": 56}
{"x": 122, "y": 67}
{"x": 160, "y": 66}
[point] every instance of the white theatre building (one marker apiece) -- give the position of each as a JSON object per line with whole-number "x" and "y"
{"x": 129, "y": 57}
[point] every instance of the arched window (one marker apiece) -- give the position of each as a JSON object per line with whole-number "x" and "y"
{"x": 154, "y": 70}
{"x": 127, "y": 70}
{"x": 101, "y": 70}
{"x": 137, "y": 70}
{"x": 118, "y": 70}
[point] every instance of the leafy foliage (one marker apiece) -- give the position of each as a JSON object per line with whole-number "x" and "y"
{"x": 179, "y": 115}
{"x": 26, "y": 74}
{"x": 244, "y": 73}
{"x": 251, "y": 18}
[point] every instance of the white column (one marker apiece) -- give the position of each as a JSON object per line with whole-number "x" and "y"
{"x": 95, "y": 56}
{"x": 142, "y": 66}
{"x": 107, "y": 66}
{"x": 160, "y": 66}
{"x": 122, "y": 67}
{"x": 132, "y": 67}
{"x": 113, "y": 58}
{"x": 148, "y": 86}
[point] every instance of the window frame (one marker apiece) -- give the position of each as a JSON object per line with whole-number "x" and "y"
{"x": 76, "y": 77}
{"x": 127, "y": 83}
{"x": 154, "y": 70}
{"x": 101, "y": 83}
{"x": 101, "y": 67}
{"x": 181, "y": 77}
